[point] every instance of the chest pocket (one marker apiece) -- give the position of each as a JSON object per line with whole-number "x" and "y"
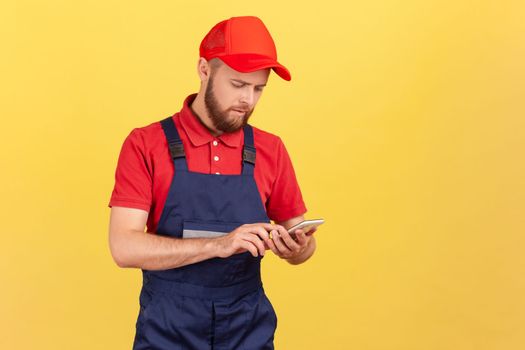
{"x": 207, "y": 229}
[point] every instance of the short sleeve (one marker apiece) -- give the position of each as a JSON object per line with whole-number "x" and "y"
{"x": 285, "y": 200}
{"x": 133, "y": 179}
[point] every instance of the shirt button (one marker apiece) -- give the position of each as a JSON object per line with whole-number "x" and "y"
{"x": 215, "y": 143}
{"x": 216, "y": 158}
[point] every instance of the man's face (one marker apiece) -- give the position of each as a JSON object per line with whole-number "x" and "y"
{"x": 231, "y": 96}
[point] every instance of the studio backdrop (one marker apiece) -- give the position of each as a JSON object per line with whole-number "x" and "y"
{"x": 405, "y": 123}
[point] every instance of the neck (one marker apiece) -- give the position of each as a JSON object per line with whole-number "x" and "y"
{"x": 199, "y": 109}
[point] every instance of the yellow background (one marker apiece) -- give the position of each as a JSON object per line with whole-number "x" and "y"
{"x": 405, "y": 123}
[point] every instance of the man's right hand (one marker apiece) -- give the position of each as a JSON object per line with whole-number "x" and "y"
{"x": 249, "y": 237}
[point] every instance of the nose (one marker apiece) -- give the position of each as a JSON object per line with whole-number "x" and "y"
{"x": 247, "y": 96}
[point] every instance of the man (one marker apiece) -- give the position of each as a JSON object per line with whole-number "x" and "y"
{"x": 206, "y": 184}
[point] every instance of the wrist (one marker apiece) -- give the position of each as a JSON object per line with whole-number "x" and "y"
{"x": 212, "y": 247}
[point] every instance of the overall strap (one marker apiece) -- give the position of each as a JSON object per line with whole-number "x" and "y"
{"x": 248, "y": 152}
{"x": 175, "y": 144}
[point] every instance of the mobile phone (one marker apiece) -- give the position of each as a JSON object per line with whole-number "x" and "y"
{"x": 306, "y": 225}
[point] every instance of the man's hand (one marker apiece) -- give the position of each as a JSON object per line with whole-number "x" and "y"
{"x": 288, "y": 246}
{"x": 296, "y": 248}
{"x": 253, "y": 238}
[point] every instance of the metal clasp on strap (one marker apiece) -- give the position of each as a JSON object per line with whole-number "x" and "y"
{"x": 248, "y": 154}
{"x": 176, "y": 149}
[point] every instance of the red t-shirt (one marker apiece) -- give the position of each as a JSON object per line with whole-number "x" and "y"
{"x": 145, "y": 167}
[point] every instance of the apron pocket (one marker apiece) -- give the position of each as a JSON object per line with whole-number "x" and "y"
{"x": 218, "y": 272}
{"x": 207, "y": 229}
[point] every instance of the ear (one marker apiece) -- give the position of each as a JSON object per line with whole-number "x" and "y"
{"x": 203, "y": 69}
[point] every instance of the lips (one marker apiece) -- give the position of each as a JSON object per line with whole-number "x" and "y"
{"x": 240, "y": 109}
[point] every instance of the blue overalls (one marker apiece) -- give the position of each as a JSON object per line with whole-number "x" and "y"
{"x": 218, "y": 303}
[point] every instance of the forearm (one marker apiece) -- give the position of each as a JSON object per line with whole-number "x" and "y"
{"x": 309, "y": 251}
{"x": 154, "y": 252}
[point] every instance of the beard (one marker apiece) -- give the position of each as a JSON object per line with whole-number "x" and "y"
{"x": 221, "y": 119}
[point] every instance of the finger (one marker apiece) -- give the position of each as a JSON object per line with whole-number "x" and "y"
{"x": 279, "y": 244}
{"x": 261, "y": 229}
{"x": 256, "y": 241}
{"x": 300, "y": 237}
{"x": 285, "y": 236}
{"x": 261, "y": 232}
{"x": 311, "y": 232}
{"x": 295, "y": 235}
{"x": 266, "y": 225}
{"x": 248, "y": 246}
{"x": 271, "y": 244}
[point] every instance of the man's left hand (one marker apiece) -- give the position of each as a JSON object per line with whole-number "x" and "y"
{"x": 288, "y": 246}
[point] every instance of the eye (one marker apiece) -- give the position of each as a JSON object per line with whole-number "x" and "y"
{"x": 237, "y": 85}
{"x": 259, "y": 88}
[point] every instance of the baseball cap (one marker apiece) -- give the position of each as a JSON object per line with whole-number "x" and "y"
{"x": 243, "y": 43}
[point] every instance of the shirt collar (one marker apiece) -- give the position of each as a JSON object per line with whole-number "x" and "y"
{"x": 198, "y": 133}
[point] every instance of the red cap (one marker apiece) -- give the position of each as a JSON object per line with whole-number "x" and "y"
{"x": 244, "y": 44}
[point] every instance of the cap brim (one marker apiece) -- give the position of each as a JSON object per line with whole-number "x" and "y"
{"x": 246, "y": 63}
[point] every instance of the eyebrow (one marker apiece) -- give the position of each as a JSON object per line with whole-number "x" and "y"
{"x": 245, "y": 82}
